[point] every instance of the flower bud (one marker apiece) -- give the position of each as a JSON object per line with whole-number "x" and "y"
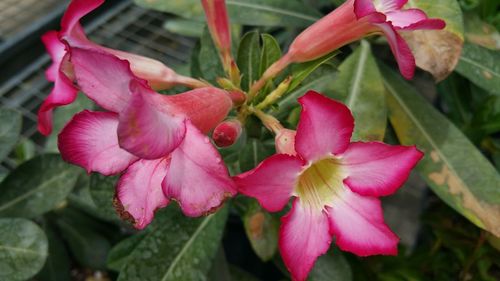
{"x": 227, "y": 133}
{"x": 285, "y": 142}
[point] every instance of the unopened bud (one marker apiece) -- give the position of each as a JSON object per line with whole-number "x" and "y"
{"x": 238, "y": 97}
{"x": 285, "y": 142}
{"x": 227, "y": 133}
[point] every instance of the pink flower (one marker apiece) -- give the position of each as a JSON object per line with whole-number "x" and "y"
{"x": 157, "y": 141}
{"x": 335, "y": 184}
{"x": 354, "y": 20}
{"x": 59, "y": 44}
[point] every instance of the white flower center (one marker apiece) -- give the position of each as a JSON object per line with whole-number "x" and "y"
{"x": 320, "y": 183}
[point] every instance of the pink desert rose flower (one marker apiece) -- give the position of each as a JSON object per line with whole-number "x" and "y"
{"x": 354, "y": 20}
{"x": 335, "y": 184}
{"x": 158, "y": 142}
{"x": 59, "y": 44}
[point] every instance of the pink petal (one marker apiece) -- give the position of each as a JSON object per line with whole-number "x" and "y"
{"x": 56, "y": 50}
{"x": 400, "y": 49}
{"x": 325, "y": 127}
{"x": 304, "y": 236}
{"x": 427, "y": 24}
{"x": 104, "y": 78}
{"x": 389, "y": 5}
{"x": 197, "y": 178}
{"x": 272, "y": 182}
{"x": 363, "y": 8}
{"x": 404, "y": 18}
{"x": 149, "y": 127}
{"x": 76, "y": 10}
{"x": 63, "y": 93}
{"x": 378, "y": 169}
{"x": 89, "y": 140}
{"x": 139, "y": 193}
{"x": 358, "y": 225}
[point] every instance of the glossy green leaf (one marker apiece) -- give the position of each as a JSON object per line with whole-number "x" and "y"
{"x": 321, "y": 83}
{"x": 37, "y": 186}
{"x": 262, "y": 230}
{"x": 301, "y": 71}
{"x": 481, "y": 66}
{"x": 102, "y": 190}
{"x": 453, "y": 167}
{"x": 208, "y": 59}
{"x": 57, "y": 266}
{"x": 10, "y": 128}
{"x": 238, "y": 274}
{"x": 248, "y": 58}
{"x": 85, "y": 238}
{"x": 360, "y": 85}
{"x": 177, "y": 248}
{"x": 270, "y": 53}
{"x": 252, "y": 154}
{"x": 437, "y": 51}
{"x": 121, "y": 252}
{"x": 23, "y": 249}
{"x": 331, "y": 267}
{"x": 249, "y": 12}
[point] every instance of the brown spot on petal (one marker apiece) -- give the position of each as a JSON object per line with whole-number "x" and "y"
{"x": 122, "y": 213}
{"x": 436, "y": 51}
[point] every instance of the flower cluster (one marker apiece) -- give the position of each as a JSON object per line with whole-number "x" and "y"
{"x": 160, "y": 147}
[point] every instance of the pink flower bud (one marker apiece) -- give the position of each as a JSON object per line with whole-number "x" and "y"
{"x": 227, "y": 133}
{"x": 285, "y": 142}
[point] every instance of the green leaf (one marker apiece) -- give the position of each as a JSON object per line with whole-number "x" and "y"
{"x": 37, "y": 186}
{"x": 453, "y": 167}
{"x": 102, "y": 190}
{"x": 249, "y": 12}
{"x": 57, "y": 266}
{"x": 248, "y": 58}
{"x": 362, "y": 90}
{"x": 10, "y": 128}
{"x": 121, "y": 252}
{"x": 85, "y": 238}
{"x": 184, "y": 27}
{"x": 23, "y": 249}
{"x": 320, "y": 83}
{"x": 262, "y": 230}
{"x": 331, "y": 267}
{"x": 177, "y": 248}
{"x": 303, "y": 70}
{"x": 437, "y": 51}
{"x": 252, "y": 154}
{"x": 481, "y": 33}
{"x": 209, "y": 62}
{"x": 271, "y": 52}
{"x": 481, "y": 66}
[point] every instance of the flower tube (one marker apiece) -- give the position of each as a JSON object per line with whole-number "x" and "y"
{"x": 352, "y": 21}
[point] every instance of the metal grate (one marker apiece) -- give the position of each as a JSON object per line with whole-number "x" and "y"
{"x": 126, "y": 27}
{"x": 16, "y": 15}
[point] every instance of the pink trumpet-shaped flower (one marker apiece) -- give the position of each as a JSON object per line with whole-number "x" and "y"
{"x": 58, "y": 45}
{"x": 157, "y": 141}
{"x": 354, "y": 20}
{"x": 335, "y": 184}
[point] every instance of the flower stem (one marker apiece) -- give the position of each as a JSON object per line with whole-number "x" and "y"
{"x": 270, "y": 73}
{"x": 271, "y": 123}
